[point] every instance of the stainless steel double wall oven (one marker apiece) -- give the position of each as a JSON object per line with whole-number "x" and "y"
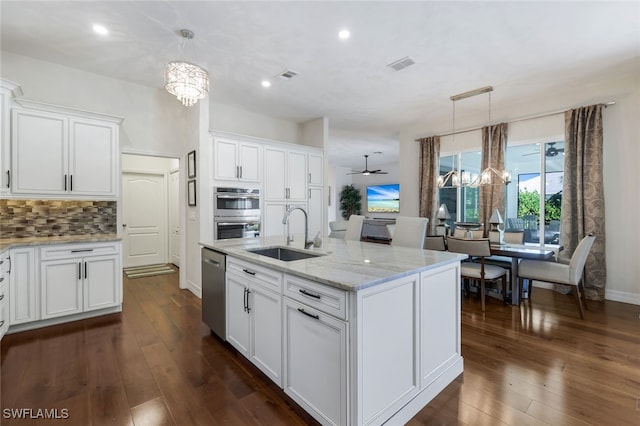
{"x": 236, "y": 213}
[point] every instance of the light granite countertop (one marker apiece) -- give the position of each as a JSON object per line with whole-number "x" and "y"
{"x": 7, "y": 243}
{"x": 348, "y": 265}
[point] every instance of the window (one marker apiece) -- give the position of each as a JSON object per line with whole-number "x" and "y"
{"x": 534, "y": 198}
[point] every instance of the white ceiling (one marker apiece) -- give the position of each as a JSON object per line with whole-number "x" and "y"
{"x": 521, "y": 48}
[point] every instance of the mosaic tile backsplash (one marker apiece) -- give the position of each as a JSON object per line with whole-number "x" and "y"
{"x": 47, "y": 218}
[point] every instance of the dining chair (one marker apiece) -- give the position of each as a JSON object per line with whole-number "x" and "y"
{"x": 509, "y": 237}
{"x": 461, "y": 233}
{"x": 481, "y": 272}
{"x": 513, "y": 237}
{"x": 559, "y": 273}
{"x": 435, "y": 242}
{"x": 354, "y": 228}
{"x": 410, "y": 232}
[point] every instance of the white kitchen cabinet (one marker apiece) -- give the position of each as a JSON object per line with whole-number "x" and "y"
{"x": 4, "y": 293}
{"x": 8, "y": 90}
{"x": 254, "y": 315}
{"x": 24, "y": 299}
{"x": 285, "y": 174}
{"x": 273, "y": 215}
{"x": 79, "y": 278}
{"x": 315, "y": 169}
{"x": 315, "y": 359}
{"x": 237, "y": 160}
{"x": 316, "y": 207}
{"x": 58, "y": 154}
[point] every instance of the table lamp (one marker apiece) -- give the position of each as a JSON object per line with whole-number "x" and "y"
{"x": 496, "y": 234}
{"x": 443, "y": 214}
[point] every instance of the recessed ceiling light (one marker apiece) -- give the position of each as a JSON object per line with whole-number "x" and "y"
{"x": 344, "y": 34}
{"x": 266, "y": 83}
{"x": 100, "y": 29}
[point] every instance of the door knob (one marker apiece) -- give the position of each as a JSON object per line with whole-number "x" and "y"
{"x": 124, "y": 225}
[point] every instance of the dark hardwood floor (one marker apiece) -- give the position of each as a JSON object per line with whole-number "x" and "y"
{"x": 157, "y": 364}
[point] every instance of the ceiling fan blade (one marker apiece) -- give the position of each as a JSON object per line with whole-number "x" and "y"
{"x": 355, "y": 173}
{"x": 379, "y": 172}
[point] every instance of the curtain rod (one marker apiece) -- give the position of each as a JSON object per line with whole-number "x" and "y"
{"x": 528, "y": 117}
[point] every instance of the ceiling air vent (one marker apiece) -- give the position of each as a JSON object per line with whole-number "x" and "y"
{"x": 287, "y": 74}
{"x": 401, "y": 63}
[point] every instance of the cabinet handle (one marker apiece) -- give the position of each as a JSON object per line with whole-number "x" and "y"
{"x": 65, "y": 182}
{"x": 80, "y": 250}
{"x": 1, "y": 279}
{"x": 246, "y": 300}
{"x": 248, "y": 272}
{"x": 237, "y": 171}
{"x": 8, "y": 179}
{"x": 85, "y": 270}
{"x": 70, "y": 182}
{"x": 309, "y": 193}
{"x": 240, "y": 171}
{"x": 248, "y": 307}
{"x": 9, "y": 259}
{"x": 1, "y": 323}
{"x": 306, "y": 293}
{"x": 79, "y": 270}
{"x": 309, "y": 177}
{"x": 302, "y": 311}
{"x": 1, "y": 296}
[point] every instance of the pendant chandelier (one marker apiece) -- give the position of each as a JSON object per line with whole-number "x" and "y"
{"x": 186, "y": 81}
{"x": 488, "y": 176}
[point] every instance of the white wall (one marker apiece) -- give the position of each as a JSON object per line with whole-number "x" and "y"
{"x": 232, "y": 119}
{"x": 337, "y": 178}
{"x": 621, "y": 172}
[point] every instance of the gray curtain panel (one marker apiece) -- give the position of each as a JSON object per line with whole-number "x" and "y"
{"x": 494, "y": 146}
{"x": 429, "y": 172}
{"x": 583, "y": 193}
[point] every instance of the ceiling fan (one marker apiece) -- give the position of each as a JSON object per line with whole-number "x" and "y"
{"x": 366, "y": 171}
{"x": 551, "y": 151}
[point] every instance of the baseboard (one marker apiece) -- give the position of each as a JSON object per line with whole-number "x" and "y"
{"x": 194, "y": 288}
{"x": 60, "y": 320}
{"x": 622, "y": 296}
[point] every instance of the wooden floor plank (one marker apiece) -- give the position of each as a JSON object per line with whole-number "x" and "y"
{"x": 156, "y": 363}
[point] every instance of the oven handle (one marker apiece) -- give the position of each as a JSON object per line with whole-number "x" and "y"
{"x": 238, "y": 196}
{"x": 235, "y": 223}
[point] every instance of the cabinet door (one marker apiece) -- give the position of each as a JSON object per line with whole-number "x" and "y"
{"x": 226, "y": 159}
{"x": 23, "y": 286}
{"x": 266, "y": 332}
{"x": 275, "y": 174}
{"x": 315, "y": 362}
{"x": 315, "y": 169}
{"x": 102, "y": 282}
{"x": 297, "y": 176}
{"x": 93, "y": 160}
{"x": 272, "y": 220}
{"x": 237, "y": 315}
{"x": 316, "y": 211}
{"x": 61, "y": 287}
{"x": 249, "y": 162}
{"x": 39, "y": 152}
{"x": 5, "y": 138}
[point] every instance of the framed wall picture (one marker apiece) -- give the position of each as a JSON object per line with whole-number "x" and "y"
{"x": 191, "y": 192}
{"x": 191, "y": 165}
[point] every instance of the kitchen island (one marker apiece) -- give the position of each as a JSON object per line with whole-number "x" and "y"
{"x": 357, "y": 334}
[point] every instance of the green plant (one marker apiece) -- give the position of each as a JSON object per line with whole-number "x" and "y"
{"x": 350, "y": 199}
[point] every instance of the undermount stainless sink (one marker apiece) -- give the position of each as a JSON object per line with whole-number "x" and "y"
{"x": 283, "y": 253}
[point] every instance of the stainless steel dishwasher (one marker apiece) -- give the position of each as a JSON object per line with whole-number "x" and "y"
{"x": 213, "y": 291}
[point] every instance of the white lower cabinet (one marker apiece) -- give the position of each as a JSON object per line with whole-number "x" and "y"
{"x": 79, "y": 284}
{"x": 315, "y": 360}
{"x": 23, "y": 286}
{"x": 254, "y": 315}
{"x": 4, "y": 293}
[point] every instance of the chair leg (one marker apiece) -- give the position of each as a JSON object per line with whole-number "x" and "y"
{"x": 519, "y": 289}
{"x": 584, "y": 296}
{"x": 529, "y": 289}
{"x": 504, "y": 288}
{"x": 482, "y": 293}
{"x": 579, "y": 302}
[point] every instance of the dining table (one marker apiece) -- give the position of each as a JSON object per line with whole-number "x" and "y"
{"x": 517, "y": 252}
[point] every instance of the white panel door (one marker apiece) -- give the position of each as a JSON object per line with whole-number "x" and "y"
{"x": 249, "y": 162}
{"x": 102, "y": 282}
{"x": 23, "y": 286}
{"x": 61, "y": 287}
{"x": 297, "y": 178}
{"x": 226, "y": 159}
{"x": 237, "y": 315}
{"x": 272, "y": 223}
{"x": 174, "y": 217}
{"x": 93, "y": 157}
{"x": 39, "y": 152}
{"x": 316, "y": 211}
{"x": 266, "y": 331}
{"x": 144, "y": 209}
{"x": 315, "y": 169}
{"x": 275, "y": 174}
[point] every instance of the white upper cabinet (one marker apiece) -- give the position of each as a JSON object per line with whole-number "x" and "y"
{"x": 59, "y": 154}
{"x": 8, "y": 90}
{"x": 236, "y": 160}
{"x": 315, "y": 169}
{"x": 285, "y": 174}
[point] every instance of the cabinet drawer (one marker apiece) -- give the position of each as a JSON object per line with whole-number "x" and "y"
{"x": 64, "y": 251}
{"x": 327, "y": 299}
{"x": 259, "y": 275}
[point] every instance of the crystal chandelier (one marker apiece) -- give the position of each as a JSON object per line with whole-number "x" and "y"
{"x": 488, "y": 176}
{"x": 186, "y": 81}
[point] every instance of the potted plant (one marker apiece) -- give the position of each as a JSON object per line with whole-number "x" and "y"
{"x": 350, "y": 199}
